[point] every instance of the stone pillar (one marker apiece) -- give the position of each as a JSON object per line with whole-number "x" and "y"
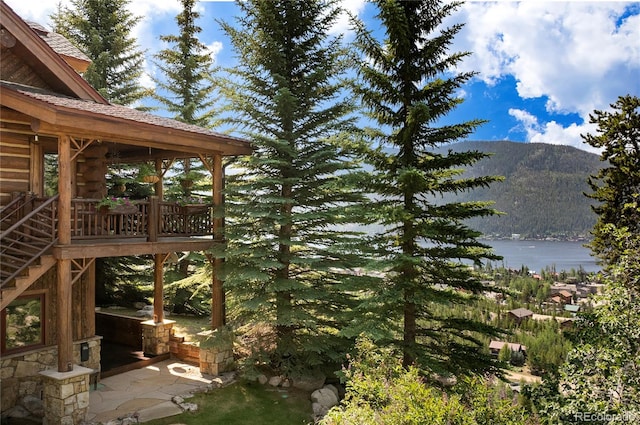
{"x": 66, "y": 396}
{"x": 216, "y": 353}
{"x": 155, "y": 336}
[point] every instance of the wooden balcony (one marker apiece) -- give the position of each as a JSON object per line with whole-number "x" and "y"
{"x": 145, "y": 227}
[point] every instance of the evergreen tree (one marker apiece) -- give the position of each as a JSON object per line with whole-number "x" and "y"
{"x": 188, "y": 68}
{"x": 617, "y": 186}
{"x": 102, "y": 30}
{"x": 285, "y": 206}
{"x": 409, "y": 86}
{"x": 187, "y": 90}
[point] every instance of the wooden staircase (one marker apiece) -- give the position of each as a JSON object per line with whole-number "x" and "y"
{"x": 29, "y": 230}
{"x": 20, "y": 284}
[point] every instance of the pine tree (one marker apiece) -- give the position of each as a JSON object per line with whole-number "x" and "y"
{"x": 409, "y": 85}
{"x": 285, "y": 207}
{"x": 617, "y": 186}
{"x": 102, "y": 30}
{"x": 187, "y": 68}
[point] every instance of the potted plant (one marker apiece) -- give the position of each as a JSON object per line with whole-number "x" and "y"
{"x": 147, "y": 173}
{"x": 192, "y": 205}
{"x": 186, "y": 181}
{"x": 116, "y": 205}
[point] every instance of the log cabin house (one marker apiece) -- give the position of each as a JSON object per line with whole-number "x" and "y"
{"x": 49, "y": 244}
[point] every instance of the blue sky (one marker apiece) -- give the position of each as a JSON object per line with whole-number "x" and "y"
{"x": 543, "y": 65}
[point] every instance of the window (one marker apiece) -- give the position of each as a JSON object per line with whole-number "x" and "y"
{"x": 23, "y": 323}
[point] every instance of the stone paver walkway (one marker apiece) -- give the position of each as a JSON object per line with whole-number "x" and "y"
{"x": 148, "y": 392}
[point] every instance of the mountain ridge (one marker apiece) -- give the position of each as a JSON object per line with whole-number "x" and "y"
{"x": 542, "y": 195}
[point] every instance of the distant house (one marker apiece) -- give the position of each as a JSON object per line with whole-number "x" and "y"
{"x": 565, "y": 296}
{"x": 572, "y": 308}
{"x": 520, "y": 314}
{"x": 496, "y": 346}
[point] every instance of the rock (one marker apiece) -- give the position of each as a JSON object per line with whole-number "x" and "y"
{"x": 319, "y": 410}
{"x": 309, "y": 383}
{"x": 262, "y": 379}
{"x": 177, "y": 399}
{"x": 34, "y": 405}
{"x": 274, "y": 381}
{"x": 326, "y": 397}
{"x": 333, "y": 389}
{"x": 17, "y": 412}
{"x": 285, "y": 383}
{"x": 189, "y": 407}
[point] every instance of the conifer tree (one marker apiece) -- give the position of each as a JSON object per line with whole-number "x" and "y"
{"x": 187, "y": 68}
{"x": 285, "y": 206}
{"x": 617, "y": 186}
{"x": 409, "y": 85}
{"x": 102, "y": 30}
{"x": 186, "y": 90}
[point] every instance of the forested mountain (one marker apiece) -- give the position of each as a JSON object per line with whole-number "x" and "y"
{"x": 543, "y": 191}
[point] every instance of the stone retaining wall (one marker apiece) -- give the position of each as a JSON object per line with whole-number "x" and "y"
{"x": 20, "y": 373}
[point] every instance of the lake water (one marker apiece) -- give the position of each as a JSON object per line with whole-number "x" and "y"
{"x": 537, "y": 255}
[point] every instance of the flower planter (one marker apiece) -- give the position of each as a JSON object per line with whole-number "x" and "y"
{"x": 119, "y": 209}
{"x": 186, "y": 183}
{"x": 191, "y": 209}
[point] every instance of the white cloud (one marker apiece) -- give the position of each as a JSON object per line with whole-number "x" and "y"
{"x": 342, "y": 25}
{"x": 214, "y": 48}
{"x": 575, "y": 53}
{"x": 552, "y": 132}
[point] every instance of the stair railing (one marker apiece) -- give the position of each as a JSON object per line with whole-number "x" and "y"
{"x": 28, "y": 239}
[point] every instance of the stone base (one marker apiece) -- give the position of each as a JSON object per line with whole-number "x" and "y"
{"x": 215, "y": 360}
{"x": 156, "y": 336}
{"x": 66, "y": 396}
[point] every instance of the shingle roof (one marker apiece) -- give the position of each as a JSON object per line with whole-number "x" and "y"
{"x": 521, "y": 312}
{"x": 58, "y": 43}
{"x": 110, "y": 110}
{"x": 497, "y": 345}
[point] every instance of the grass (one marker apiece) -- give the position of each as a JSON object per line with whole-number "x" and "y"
{"x": 245, "y": 403}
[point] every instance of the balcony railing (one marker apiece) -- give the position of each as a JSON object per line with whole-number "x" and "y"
{"x": 145, "y": 218}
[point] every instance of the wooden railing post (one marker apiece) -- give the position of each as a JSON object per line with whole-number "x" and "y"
{"x": 153, "y": 217}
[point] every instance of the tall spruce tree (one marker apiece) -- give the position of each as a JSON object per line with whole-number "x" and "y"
{"x": 617, "y": 186}
{"x": 102, "y": 30}
{"x": 187, "y": 68}
{"x": 286, "y": 251}
{"x": 186, "y": 90}
{"x": 409, "y": 85}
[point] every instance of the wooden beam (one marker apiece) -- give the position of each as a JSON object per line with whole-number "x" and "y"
{"x": 64, "y": 317}
{"x": 64, "y": 190}
{"x": 90, "y": 315}
{"x": 115, "y": 248}
{"x": 36, "y": 169}
{"x": 218, "y": 313}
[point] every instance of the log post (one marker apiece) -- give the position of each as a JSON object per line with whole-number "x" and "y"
{"x": 218, "y": 318}
{"x": 159, "y": 187}
{"x": 158, "y": 294}
{"x": 64, "y": 300}
{"x": 153, "y": 218}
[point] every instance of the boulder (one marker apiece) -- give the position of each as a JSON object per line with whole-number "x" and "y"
{"x": 262, "y": 379}
{"x": 274, "y": 381}
{"x": 325, "y": 397}
{"x": 309, "y": 383}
